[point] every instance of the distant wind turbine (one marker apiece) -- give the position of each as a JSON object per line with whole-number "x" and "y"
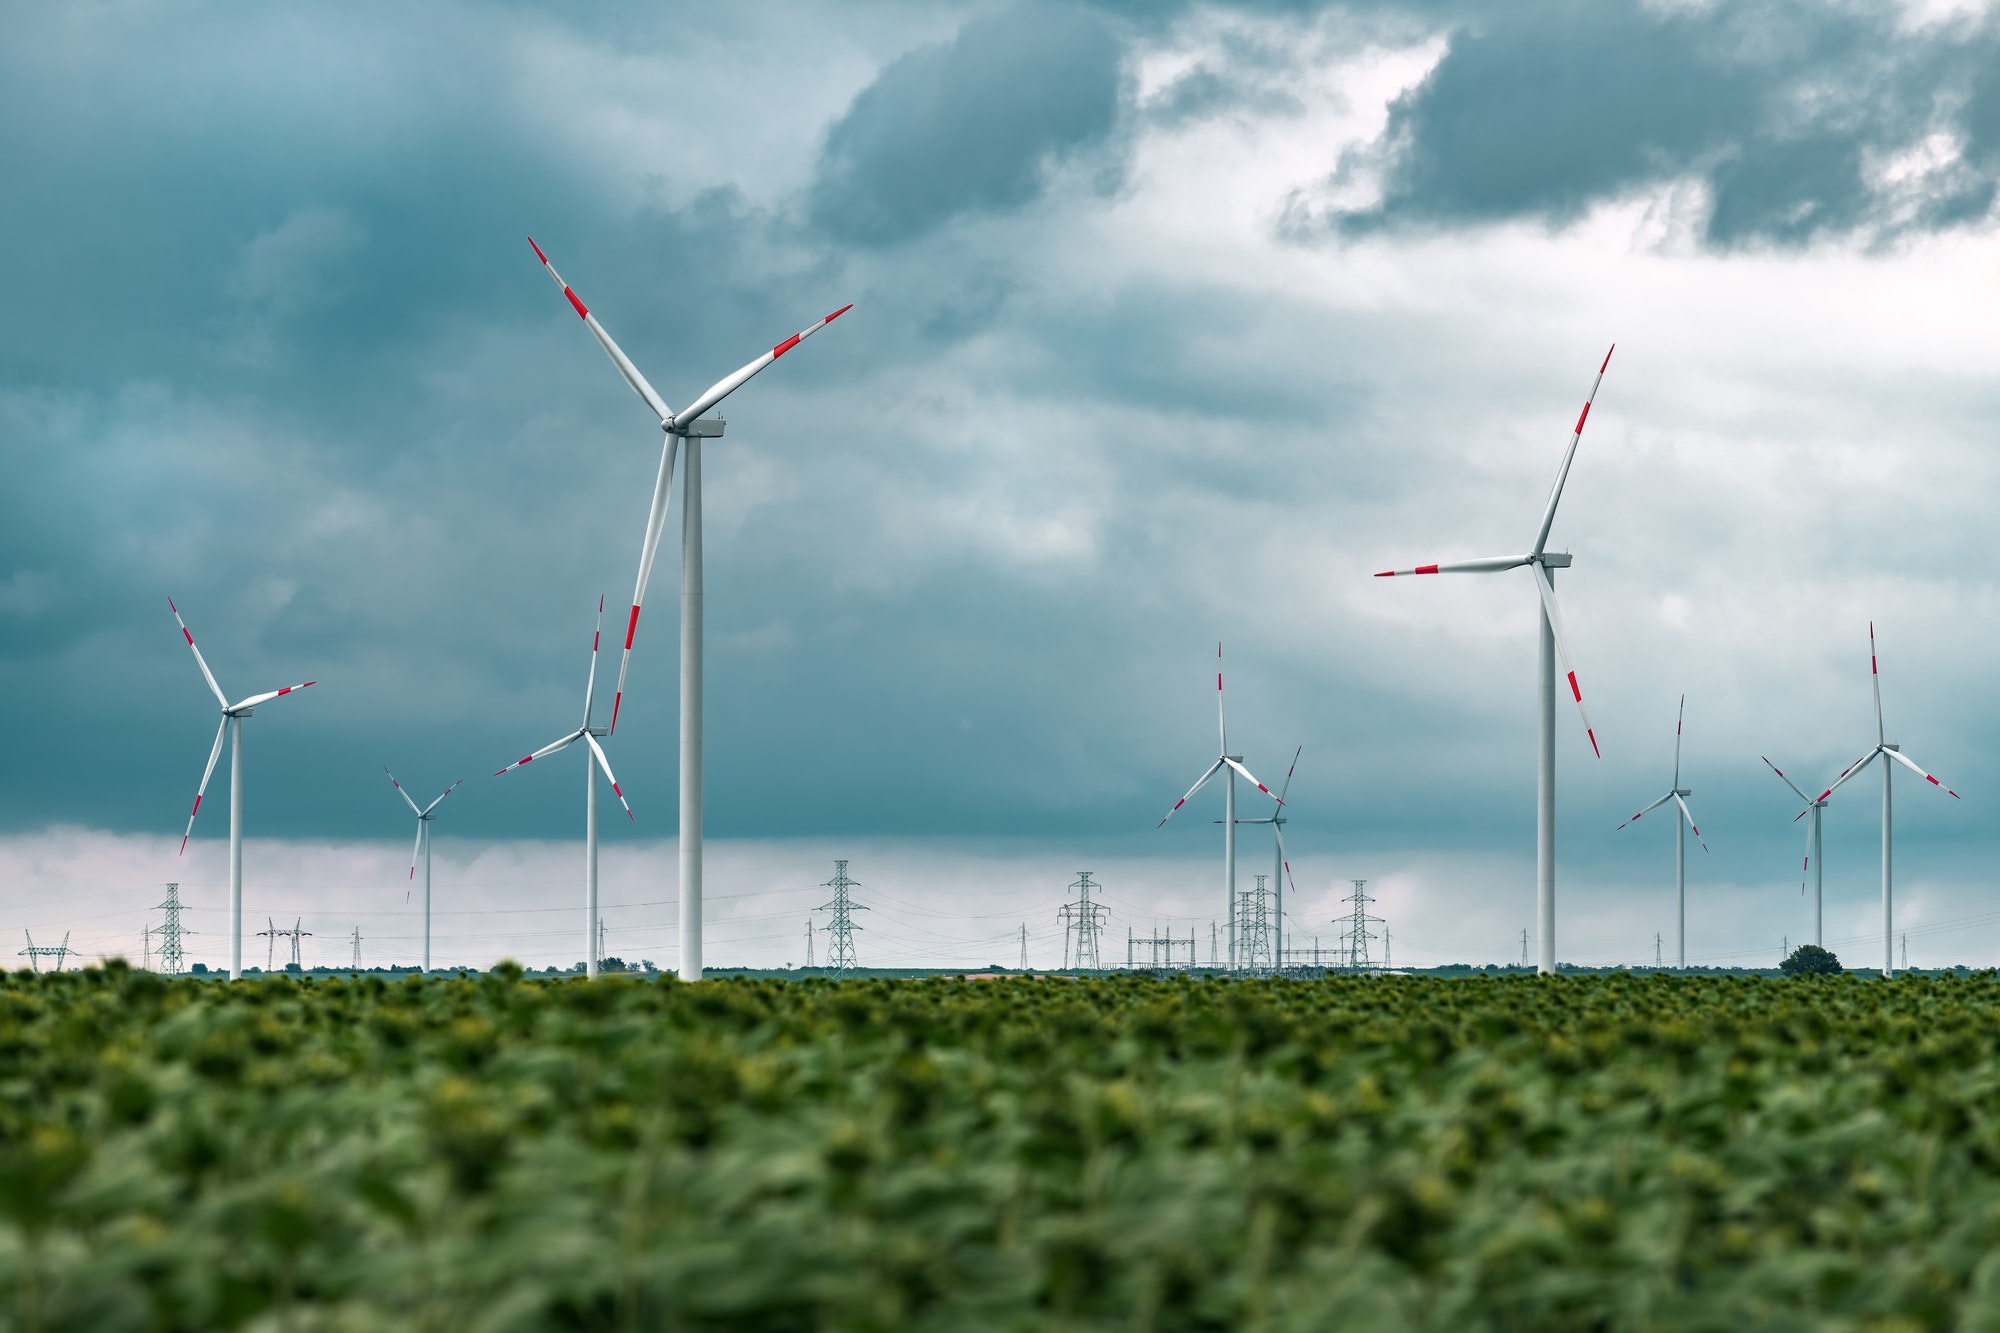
{"x": 422, "y": 850}
{"x": 1814, "y": 807}
{"x": 1229, "y": 765}
{"x": 1281, "y": 869}
{"x": 685, "y": 424}
{"x": 1678, "y": 795}
{"x": 1544, "y": 563}
{"x": 1895, "y": 752}
{"x": 232, "y": 722}
{"x": 588, "y": 734}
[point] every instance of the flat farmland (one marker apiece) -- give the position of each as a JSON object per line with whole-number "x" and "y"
{"x": 501, "y": 1152}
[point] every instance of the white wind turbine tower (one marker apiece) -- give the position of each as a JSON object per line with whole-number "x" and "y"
{"x": 1543, "y": 563}
{"x": 594, "y": 760}
{"x": 1895, "y": 752}
{"x": 1281, "y": 869}
{"x": 422, "y": 850}
{"x": 685, "y": 424}
{"x": 1678, "y": 795}
{"x": 232, "y": 722}
{"x": 1229, "y": 765}
{"x": 1812, "y": 862}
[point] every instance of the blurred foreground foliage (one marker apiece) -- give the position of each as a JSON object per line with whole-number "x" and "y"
{"x": 1618, "y": 1152}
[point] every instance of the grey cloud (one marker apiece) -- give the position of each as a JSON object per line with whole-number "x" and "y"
{"x": 1542, "y": 111}
{"x": 968, "y": 125}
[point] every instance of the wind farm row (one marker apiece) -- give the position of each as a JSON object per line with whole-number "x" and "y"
{"x": 683, "y": 433}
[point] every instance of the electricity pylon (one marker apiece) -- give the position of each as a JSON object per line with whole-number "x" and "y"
{"x": 1358, "y": 933}
{"x": 1254, "y": 943}
{"x": 1083, "y": 923}
{"x": 171, "y": 932}
{"x": 840, "y": 926}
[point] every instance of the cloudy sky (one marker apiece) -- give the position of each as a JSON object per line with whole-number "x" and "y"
{"x": 1172, "y": 324}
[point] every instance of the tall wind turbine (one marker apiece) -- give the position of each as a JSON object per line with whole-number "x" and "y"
{"x": 1678, "y": 795}
{"x": 683, "y": 425}
{"x": 1281, "y": 867}
{"x": 1544, "y": 563}
{"x": 594, "y": 760}
{"x": 1229, "y": 765}
{"x": 422, "y": 851}
{"x": 1812, "y": 862}
{"x": 1887, "y": 751}
{"x": 232, "y": 722}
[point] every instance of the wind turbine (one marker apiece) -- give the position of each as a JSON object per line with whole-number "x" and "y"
{"x": 1229, "y": 765}
{"x": 1814, "y": 807}
{"x": 1678, "y": 795}
{"x": 1895, "y": 752}
{"x": 685, "y": 424}
{"x": 1281, "y": 868}
{"x": 588, "y": 734}
{"x": 423, "y": 848}
{"x": 1544, "y": 563}
{"x": 232, "y": 722}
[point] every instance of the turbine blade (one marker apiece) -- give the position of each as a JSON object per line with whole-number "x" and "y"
{"x": 1284, "y": 856}
{"x": 1548, "y": 592}
{"x": 1253, "y": 780}
{"x": 656, "y": 520}
{"x": 590, "y": 685}
{"x": 1562, "y": 475}
{"x": 1849, "y": 772}
{"x": 269, "y": 695}
{"x": 1910, "y": 764}
{"x": 1213, "y": 769}
{"x": 624, "y": 364}
{"x": 1782, "y": 778}
{"x": 1288, "y": 775}
{"x": 548, "y": 749}
{"x": 417, "y": 848}
{"x": 1679, "y": 717}
{"x": 1491, "y": 564}
{"x": 1690, "y": 817}
{"x": 215, "y": 752}
{"x": 400, "y": 792}
{"x": 206, "y": 674}
{"x": 1805, "y": 865}
{"x": 1221, "y": 717}
{"x": 1649, "y": 809}
{"x": 1875, "y": 679}
{"x": 441, "y": 795}
{"x": 605, "y": 764}
{"x": 736, "y": 379}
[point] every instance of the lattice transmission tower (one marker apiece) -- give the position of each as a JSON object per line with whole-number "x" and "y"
{"x": 1355, "y": 941}
{"x": 1083, "y": 927}
{"x": 273, "y": 934}
{"x": 1256, "y": 950}
{"x": 840, "y": 927}
{"x": 172, "y": 961}
{"x": 35, "y": 953}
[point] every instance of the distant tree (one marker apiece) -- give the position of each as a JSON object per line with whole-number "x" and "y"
{"x": 1809, "y": 960}
{"x": 611, "y": 965}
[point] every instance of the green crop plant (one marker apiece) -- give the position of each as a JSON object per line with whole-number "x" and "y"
{"x": 501, "y": 1152}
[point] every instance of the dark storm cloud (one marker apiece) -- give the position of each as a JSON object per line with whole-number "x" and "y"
{"x": 1540, "y": 111}
{"x": 968, "y": 125}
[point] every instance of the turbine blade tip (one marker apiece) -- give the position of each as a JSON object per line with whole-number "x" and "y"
{"x": 538, "y": 250}
{"x": 1607, "y": 359}
{"x": 1386, "y": 574}
{"x": 838, "y": 313}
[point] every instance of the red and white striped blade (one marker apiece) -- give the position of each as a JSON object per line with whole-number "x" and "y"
{"x": 590, "y": 685}
{"x": 1548, "y": 593}
{"x": 441, "y": 795}
{"x": 417, "y": 849}
{"x": 1679, "y": 717}
{"x": 1221, "y": 714}
{"x": 1248, "y": 775}
{"x": 1787, "y": 781}
{"x": 214, "y": 752}
{"x": 400, "y": 792}
{"x": 206, "y": 674}
{"x": 1288, "y": 778}
{"x": 1569, "y": 455}
{"x": 1690, "y": 818}
{"x": 1849, "y": 772}
{"x": 1875, "y": 679}
{"x": 1284, "y": 857}
{"x": 269, "y": 695}
{"x": 605, "y": 764}
{"x": 1649, "y": 809}
{"x": 1910, "y": 764}
{"x": 1213, "y": 769}
{"x": 656, "y": 520}
{"x": 1491, "y": 564}
{"x": 736, "y": 379}
{"x": 624, "y": 364}
{"x": 1805, "y": 865}
{"x": 549, "y": 749}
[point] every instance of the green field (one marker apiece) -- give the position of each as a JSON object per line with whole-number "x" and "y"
{"x": 1044, "y": 1153}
